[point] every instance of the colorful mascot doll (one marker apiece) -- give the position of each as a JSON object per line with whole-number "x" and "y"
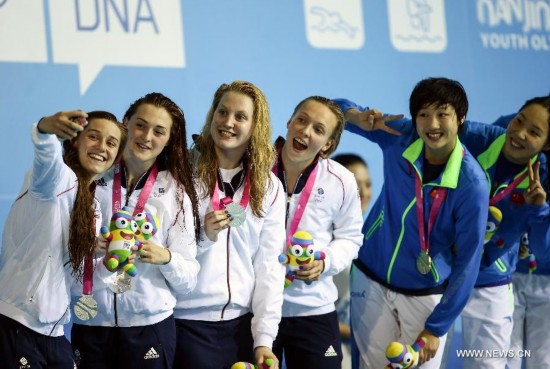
{"x": 525, "y": 253}
{"x": 242, "y": 365}
{"x": 121, "y": 237}
{"x": 493, "y": 222}
{"x": 404, "y": 356}
{"x": 147, "y": 226}
{"x": 301, "y": 251}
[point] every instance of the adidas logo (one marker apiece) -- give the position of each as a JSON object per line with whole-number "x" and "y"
{"x": 330, "y": 351}
{"x": 151, "y": 354}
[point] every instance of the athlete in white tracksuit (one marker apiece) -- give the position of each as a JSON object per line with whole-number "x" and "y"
{"x": 146, "y": 303}
{"x": 322, "y": 200}
{"x": 35, "y": 268}
{"x": 136, "y": 327}
{"x": 240, "y": 273}
{"x": 234, "y": 312}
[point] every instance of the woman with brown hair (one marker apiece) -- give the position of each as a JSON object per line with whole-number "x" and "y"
{"x": 48, "y": 234}
{"x": 134, "y": 326}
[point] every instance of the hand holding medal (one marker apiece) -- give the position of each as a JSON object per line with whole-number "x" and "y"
{"x": 235, "y": 211}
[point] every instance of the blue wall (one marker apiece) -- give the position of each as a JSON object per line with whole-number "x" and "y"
{"x": 103, "y": 54}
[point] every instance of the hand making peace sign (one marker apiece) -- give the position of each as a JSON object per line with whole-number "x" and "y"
{"x": 535, "y": 194}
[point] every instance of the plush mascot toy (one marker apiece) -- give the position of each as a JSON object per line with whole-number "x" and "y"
{"x": 301, "y": 251}
{"x": 147, "y": 226}
{"x": 121, "y": 237}
{"x": 242, "y": 365}
{"x": 525, "y": 253}
{"x": 404, "y": 356}
{"x": 493, "y": 222}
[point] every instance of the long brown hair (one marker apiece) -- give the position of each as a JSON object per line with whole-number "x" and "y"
{"x": 259, "y": 154}
{"x": 82, "y": 238}
{"x": 175, "y": 156}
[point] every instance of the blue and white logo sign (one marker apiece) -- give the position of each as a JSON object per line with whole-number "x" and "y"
{"x": 334, "y": 24}
{"x": 93, "y": 34}
{"x": 514, "y": 25}
{"x": 418, "y": 25}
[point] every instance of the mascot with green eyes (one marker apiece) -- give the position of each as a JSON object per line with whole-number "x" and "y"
{"x": 124, "y": 232}
{"x": 301, "y": 251}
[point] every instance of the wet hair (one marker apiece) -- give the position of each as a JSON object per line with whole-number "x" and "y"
{"x": 82, "y": 235}
{"x": 543, "y": 101}
{"x": 335, "y": 109}
{"x": 175, "y": 156}
{"x": 439, "y": 91}
{"x": 259, "y": 155}
{"x": 348, "y": 160}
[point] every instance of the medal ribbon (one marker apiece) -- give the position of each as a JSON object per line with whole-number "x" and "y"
{"x": 144, "y": 194}
{"x": 440, "y": 194}
{"x": 512, "y": 186}
{"x": 304, "y": 197}
{"x": 218, "y": 204}
{"x": 88, "y": 278}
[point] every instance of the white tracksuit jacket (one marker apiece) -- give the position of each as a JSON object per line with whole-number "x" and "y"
{"x": 151, "y": 298}
{"x": 333, "y": 217}
{"x": 34, "y": 275}
{"x": 240, "y": 272}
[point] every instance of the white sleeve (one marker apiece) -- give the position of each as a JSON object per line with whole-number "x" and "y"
{"x": 347, "y": 236}
{"x": 182, "y": 270}
{"x": 204, "y": 243}
{"x": 48, "y": 165}
{"x": 267, "y": 300}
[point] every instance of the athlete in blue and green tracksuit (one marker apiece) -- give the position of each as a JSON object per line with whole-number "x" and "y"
{"x": 396, "y": 301}
{"x": 487, "y": 318}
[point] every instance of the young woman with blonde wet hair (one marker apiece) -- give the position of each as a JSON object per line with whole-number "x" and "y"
{"x": 233, "y": 313}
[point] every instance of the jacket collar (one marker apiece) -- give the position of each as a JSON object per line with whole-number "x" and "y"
{"x": 449, "y": 178}
{"x": 489, "y": 157}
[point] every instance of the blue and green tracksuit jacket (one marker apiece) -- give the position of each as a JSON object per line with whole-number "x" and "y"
{"x": 485, "y": 142}
{"x": 391, "y": 237}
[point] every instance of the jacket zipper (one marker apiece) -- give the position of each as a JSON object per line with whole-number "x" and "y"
{"x": 129, "y": 192}
{"x": 116, "y": 312}
{"x": 289, "y": 197}
{"x": 227, "y": 272}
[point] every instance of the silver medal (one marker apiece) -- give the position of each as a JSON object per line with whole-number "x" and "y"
{"x": 122, "y": 283}
{"x": 237, "y": 213}
{"x": 424, "y": 262}
{"x": 85, "y": 308}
